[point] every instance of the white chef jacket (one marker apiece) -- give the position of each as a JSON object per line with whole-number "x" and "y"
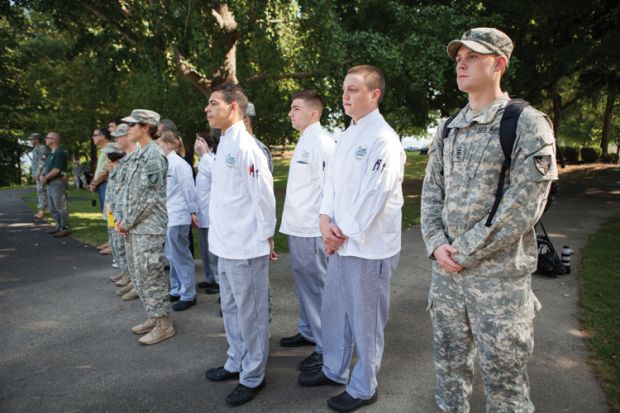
{"x": 363, "y": 190}
{"x": 306, "y": 179}
{"x": 180, "y": 192}
{"x": 203, "y": 188}
{"x": 242, "y": 214}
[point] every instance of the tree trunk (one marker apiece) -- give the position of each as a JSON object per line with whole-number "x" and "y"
{"x": 609, "y": 109}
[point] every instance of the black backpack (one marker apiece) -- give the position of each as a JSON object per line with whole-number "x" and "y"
{"x": 507, "y": 138}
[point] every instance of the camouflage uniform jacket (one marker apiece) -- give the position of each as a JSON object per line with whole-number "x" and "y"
{"x": 460, "y": 183}
{"x": 142, "y": 202}
{"x": 38, "y": 159}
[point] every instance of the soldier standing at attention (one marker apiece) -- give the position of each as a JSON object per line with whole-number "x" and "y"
{"x": 242, "y": 218}
{"x": 113, "y": 191}
{"x": 480, "y": 296}
{"x": 39, "y": 154}
{"x": 143, "y": 218}
{"x": 300, "y": 221}
{"x": 361, "y": 226}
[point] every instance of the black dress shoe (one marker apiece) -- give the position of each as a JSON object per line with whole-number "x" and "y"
{"x": 345, "y": 403}
{"x": 295, "y": 341}
{"x": 183, "y": 305}
{"x": 316, "y": 378}
{"x": 213, "y": 290}
{"x": 313, "y": 362}
{"x": 220, "y": 374}
{"x": 173, "y": 298}
{"x": 243, "y": 394}
{"x": 202, "y": 284}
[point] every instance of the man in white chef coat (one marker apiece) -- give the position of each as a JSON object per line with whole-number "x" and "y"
{"x": 242, "y": 223}
{"x": 300, "y": 221}
{"x": 361, "y": 226}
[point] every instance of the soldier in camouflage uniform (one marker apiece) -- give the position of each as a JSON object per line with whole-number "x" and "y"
{"x": 117, "y": 241}
{"x": 39, "y": 154}
{"x": 142, "y": 216}
{"x": 481, "y": 298}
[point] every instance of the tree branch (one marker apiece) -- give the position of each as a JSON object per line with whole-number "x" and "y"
{"x": 112, "y": 22}
{"x": 201, "y": 82}
{"x": 268, "y": 76}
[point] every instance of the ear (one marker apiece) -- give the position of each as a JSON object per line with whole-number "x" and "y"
{"x": 234, "y": 106}
{"x": 376, "y": 94}
{"x": 500, "y": 64}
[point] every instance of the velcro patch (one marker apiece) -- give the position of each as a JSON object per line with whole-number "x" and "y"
{"x": 542, "y": 163}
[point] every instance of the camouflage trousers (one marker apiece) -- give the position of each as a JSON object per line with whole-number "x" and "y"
{"x": 490, "y": 317}
{"x": 41, "y": 195}
{"x": 117, "y": 243}
{"x": 145, "y": 262}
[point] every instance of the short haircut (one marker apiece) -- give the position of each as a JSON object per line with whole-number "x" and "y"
{"x": 233, "y": 93}
{"x": 372, "y": 75}
{"x": 310, "y": 97}
{"x": 117, "y": 120}
{"x": 56, "y": 135}
{"x": 105, "y": 132}
{"x": 168, "y": 125}
{"x": 171, "y": 138}
{"x": 36, "y": 136}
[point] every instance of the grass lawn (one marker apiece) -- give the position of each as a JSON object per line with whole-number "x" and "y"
{"x": 600, "y": 306}
{"x": 88, "y": 226}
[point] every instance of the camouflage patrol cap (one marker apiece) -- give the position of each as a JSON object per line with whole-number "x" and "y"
{"x": 36, "y": 135}
{"x": 121, "y": 130}
{"x": 251, "y": 110}
{"x": 143, "y": 116}
{"x": 485, "y": 40}
{"x": 111, "y": 148}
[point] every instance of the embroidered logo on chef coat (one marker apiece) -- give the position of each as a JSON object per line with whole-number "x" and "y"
{"x": 230, "y": 160}
{"x": 360, "y": 152}
{"x": 253, "y": 171}
{"x": 304, "y": 158}
{"x": 379, "y": 166}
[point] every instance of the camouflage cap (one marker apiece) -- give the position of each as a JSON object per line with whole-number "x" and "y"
{"x": 36, "y": 135}
{"x": 251, "y": 110}
{"x": 485, "y": 40}
{"x": 111, "y": 148}
{"x": 143, "y": 116}
{"x": 121, "y": 130}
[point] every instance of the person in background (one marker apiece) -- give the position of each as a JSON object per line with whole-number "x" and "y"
{"x": 249, "y": 119}
{"x": 206, "y": 148}
{"x": 39, "y": 153}
{"x": 54, "y": 175}
{"x": 101, "y": 138}
{"x": 182, "y": 208}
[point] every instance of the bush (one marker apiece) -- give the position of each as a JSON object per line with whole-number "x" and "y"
{"x": 590, "y": 154}
{"x": 570, "y": 153}
{"x": 609, "y": 158}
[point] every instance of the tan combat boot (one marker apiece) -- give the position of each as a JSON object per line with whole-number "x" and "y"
{"x": 117, "y": 277}
{"x": 124, "y": 290}
{"x": 131, "y": 295}
{"x": 123, "y": 281}
{"x": 106, "y": 251}
{"x": 40, "y": 214}
{"x": 163, "y": 329}
{"x": 145, "y": 327}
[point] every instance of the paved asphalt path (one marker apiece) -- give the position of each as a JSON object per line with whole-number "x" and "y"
{"x": 66, "y": 345}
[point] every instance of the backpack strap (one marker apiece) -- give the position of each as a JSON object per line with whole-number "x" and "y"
{"x": 507, "y": 138}
{"x": 446, "y": 130}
